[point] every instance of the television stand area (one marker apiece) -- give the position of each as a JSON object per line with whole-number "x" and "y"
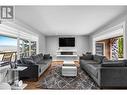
{"x": 66, "y": 52}
{"x": 66, "y": 55}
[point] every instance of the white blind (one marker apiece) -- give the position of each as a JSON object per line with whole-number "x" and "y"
{"x": 10, "y": 31}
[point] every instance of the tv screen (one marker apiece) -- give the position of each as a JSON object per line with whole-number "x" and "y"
{"x": 67, "y": 42}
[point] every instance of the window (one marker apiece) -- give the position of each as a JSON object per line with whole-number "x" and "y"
{"x": 99, "y": 48}
{"x": 23, "y": 42}
{"x": 27, "y": 48}
{"x": 33, "y": 47}
{"x": 8, "y": 44}
{"x": 24, "y": 48}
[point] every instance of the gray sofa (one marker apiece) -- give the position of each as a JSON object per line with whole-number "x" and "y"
{"x": 35, "y": 64}
{"x": 106, "y": 73}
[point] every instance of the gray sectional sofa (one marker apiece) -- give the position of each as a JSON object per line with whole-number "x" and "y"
{"x": 35, "y": 64}
{"x": 106, "y": 73}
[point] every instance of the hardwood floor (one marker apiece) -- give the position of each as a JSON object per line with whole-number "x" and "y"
{"x": 31, "y": 85}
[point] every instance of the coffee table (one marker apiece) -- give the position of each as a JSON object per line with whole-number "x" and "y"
{"x": 69, "y": 68}
{"x": 68, "y": 63}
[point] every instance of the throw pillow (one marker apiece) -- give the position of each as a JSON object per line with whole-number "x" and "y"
{"x": 27, "y": 60}
{"x": 30, "y": 62}
{"x": 88, "y": 52}
{"x": 98, "y": 58}
{"x": 35, "y": 58}
{"x": 88, "y": 57}
{"x": 46, "y": 56}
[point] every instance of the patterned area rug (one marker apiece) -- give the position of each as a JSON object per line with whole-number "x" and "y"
{"x": 54, "y": 80}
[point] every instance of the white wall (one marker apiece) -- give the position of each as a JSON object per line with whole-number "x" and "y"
{"x": 42, "y": 44}
{"x": 81, "y": 44}
{"x": 51, "y": 44}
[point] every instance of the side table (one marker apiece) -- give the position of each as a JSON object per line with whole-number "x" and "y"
{"x": 16, "y": 74}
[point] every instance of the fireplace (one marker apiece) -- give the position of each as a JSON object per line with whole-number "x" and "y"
{"x": 66, "y": 53}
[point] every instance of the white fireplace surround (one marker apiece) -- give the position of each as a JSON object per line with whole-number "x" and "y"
{"x": 68, "y": 52}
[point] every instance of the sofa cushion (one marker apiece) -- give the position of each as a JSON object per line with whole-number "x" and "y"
{"x": 41, "y": 62}
{"x": 47, "y": 61}
{"x": 40, "y": 56}
{"x": 93, "y": 69}
{"x": 98, "y": 58}
{"x": 113, "y": 65}
{"x": 110, "y": 63}
{"x": 30, "y": 62}
{"x": 35, "y": 58}
{"x": 90, "y": 66}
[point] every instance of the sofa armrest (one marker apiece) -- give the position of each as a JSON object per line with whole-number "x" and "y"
{"x": 31, "y": 72}
{"x": 27, "y": 65}
{"x": 112, "y": 77}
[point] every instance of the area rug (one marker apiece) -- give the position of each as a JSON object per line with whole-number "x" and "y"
{"x": 54, "y": 80}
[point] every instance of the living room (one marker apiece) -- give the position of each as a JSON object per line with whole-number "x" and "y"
{"x": 55, "y": 48}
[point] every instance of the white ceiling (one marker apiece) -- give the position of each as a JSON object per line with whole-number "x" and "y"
{"x": 67, "y": 20}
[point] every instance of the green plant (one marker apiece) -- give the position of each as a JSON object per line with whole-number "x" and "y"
{"x": 120, "y": 47}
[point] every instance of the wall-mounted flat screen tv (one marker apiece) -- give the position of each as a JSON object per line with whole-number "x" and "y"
{"x": 67, "y": 42}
